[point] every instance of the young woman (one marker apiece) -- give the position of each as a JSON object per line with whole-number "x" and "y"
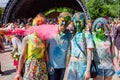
{"x": 104, "y": 57}
{"x": 34, "y": 57}
{"x": 81, "y": 51}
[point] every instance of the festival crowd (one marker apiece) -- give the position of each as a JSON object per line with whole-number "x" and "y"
{"x": 72, "y": 47}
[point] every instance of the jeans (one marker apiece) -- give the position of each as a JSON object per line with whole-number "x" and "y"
{"x": 58, "y": 74}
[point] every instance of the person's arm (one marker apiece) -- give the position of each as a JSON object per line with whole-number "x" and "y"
{"x": 114, "y": 58}
{"x": 46, "y": 53}
{"x": 23, "y": 55}
{"x": 89, "y": 46}
{"x": 89, "y": 59}
{"x": 68, "y": 55}
{"x": 22, "y": 59}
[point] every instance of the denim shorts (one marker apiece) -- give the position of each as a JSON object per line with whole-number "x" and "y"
{"x": 106, "y": 72}
{"x": 75, "y": 75}
{"x": 76, "y": 70}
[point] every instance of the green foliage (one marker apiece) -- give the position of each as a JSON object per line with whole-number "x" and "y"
{"x": 61, "y": 9}
{"x": 101, "y": 8}
{"x": 1, "y": 12}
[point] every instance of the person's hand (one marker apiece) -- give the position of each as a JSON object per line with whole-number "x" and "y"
{"x": 17, "y": 77}
{"x": 50, "y": 68}
{"x": 87, "y": 75}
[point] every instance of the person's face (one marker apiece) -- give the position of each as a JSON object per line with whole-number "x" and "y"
{"x": 79, "y": 25}
{"x": 100, "y": 29}
{"x": 62, "y": 26}
{"x": 39, "y": 22}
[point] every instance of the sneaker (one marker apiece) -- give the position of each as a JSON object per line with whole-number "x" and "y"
{"x": 1, "y": 73}
{"x": 118, "y": 73}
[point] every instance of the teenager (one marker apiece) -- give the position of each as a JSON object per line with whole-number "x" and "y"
{"x": 81, "y": 51}
{"x": 58, "y": 47}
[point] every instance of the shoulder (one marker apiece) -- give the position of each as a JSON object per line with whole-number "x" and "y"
{"x": 14, "y": 39}
{"x": 88, "y": 35}
{"x": 25, "y": 40}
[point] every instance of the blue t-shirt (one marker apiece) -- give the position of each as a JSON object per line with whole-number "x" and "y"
{"x": 58, "y": 47}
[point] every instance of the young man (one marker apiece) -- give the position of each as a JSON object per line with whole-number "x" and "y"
{"x": 58, "y": 47}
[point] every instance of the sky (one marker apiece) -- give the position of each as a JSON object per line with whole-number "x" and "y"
{"x": 3, "y": 3}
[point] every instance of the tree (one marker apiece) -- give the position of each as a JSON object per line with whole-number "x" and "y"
{"x": 1, "y": 12}
{"x": 94, "y": 8}
{"x": 100, "y": 8}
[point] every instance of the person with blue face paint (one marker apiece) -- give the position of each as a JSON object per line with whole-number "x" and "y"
{"x": 81, "y": 51}
{"x": 58, "y": 48}
{"x": 104, "y": 56}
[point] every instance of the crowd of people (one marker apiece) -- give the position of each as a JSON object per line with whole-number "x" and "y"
{"x": 70, "y": 53}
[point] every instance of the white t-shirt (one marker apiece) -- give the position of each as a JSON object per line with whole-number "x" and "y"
{"x": 17, "y": 43}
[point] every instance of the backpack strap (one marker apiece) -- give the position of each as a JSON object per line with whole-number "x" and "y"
{"x": 84, "y": 41}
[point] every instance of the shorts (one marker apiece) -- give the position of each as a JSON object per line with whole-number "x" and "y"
{"x": 76, "y": 70}
{"x": 106, "y": 72}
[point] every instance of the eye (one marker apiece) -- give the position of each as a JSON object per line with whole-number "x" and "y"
{"x": 62, "y": 23}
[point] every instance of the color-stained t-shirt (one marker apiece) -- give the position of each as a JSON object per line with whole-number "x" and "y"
{"x": 33, "y": 50}
{"x": 104, "y": 54}
{"x": 58, "y": 47}
{"x": 79, "y": 41}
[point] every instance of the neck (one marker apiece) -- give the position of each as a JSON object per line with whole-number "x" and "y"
{"x": 101, "y": 36}
{"x": 35, "y": 34}
{"x": 79, "y": 31}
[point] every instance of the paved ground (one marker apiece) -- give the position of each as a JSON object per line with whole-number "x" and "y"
{"x": 9, "y": 69}
{"x": 7, "y": 65}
